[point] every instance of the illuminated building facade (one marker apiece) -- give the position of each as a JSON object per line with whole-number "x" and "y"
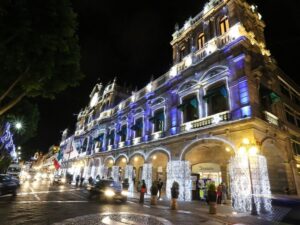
{"x": 224, "y": 86}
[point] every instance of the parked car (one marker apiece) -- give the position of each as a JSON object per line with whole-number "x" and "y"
{"x": 58, "y": 180}
{"x": 8, "y": 185}
{"x": 107, "y": 190}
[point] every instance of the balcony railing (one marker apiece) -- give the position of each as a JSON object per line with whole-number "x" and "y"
{"x": 156, "y": 135}
{"x": 210, "y": 120}
{"x": 270, "y": 118}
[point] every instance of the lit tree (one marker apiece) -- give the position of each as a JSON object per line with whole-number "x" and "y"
{"x": 39, "y": 51}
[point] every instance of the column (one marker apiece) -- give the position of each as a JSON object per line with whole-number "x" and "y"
{"x": 180, "y": 172}
{"x": 147, "y": 175}
{"x": 115, "y": 173}
{"x": 129, "y": 176}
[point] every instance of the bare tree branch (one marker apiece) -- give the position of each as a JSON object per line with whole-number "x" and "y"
{"x": 11, "y": 104}
{"x": 11, "y": 87}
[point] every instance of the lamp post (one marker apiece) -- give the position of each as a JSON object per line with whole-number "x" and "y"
{"x": 249, "y": 149}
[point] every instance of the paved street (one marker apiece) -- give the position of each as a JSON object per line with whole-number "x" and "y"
{"x": 43, "y": 203}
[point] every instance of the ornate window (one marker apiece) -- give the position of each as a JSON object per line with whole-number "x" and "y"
{"x": 158, "y": 120}
{"x": 123, "y": 133}
{"x": 182, "y": 53}
{"x": 217, "y": 99}
{"x": 111, "y": 137}
{"x": 224, "y": 25}
{"x": 138, "y": 127}
{"x": 189, "y": 108}
{"x": 201, "y": 41}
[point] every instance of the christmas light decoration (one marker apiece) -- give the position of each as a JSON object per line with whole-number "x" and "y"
{"x": 179, "y": 171}
{"x": 241, "y": 185}
{"x": 115, "y": 173}
{"x": 129, "y": 175}
{"x": 147, "y": 175}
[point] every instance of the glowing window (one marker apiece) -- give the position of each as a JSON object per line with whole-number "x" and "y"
{"x": 201, "y": 41}
{"x": 224, "y": 25}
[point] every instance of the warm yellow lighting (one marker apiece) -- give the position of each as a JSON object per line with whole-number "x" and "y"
{"x": 154, "y": 157}
{"x": 111, "y": 161}
{"x": 253, "y": 150}
{"x": 242, "y": 150}
{"x": 246, "y": 141}
{"x": 124, "y": 160}
{"x": 136, "y": 159}
{"x": 298, "y": 165}
{"x": 227, "y": 149}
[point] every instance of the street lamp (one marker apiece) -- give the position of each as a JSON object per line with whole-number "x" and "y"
{"x": 249, "y": 149}
{"x": 18, "y": 125}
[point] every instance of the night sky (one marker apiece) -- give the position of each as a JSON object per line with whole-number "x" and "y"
{"x": 131, "y": 41}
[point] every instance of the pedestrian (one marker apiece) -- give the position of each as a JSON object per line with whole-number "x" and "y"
{"x": 139, "y": 186}
{"x": 143, "y": 191}
{"x": 160, "y": 185}
{"x": 98, "y": 177}
{"x": 224, "y": 193}
{"x": 77, "y": 180}
{"x": 81, "y": 181}
{"x": 219, "y": 194}
{"x": 90, "y": 180}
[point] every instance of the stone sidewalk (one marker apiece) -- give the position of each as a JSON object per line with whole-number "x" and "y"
{"x": 225, "y": 213}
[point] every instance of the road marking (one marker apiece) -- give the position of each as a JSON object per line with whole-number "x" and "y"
{"x": 35, "y": 195}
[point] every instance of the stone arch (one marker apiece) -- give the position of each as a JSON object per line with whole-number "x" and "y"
{"x": 109, "y": 158}
{"x": 194, "y": 143}
{"x": 120, "y": 156}
{"x": 135, "y": 154}
{"x": 213, "y": 71}
{"x": 159, "y": 149}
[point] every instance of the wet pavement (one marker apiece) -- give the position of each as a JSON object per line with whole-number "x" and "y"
{"x": 43, "y": 203}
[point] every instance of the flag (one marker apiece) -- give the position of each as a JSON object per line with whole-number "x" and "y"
{"x": 56, "y": 164}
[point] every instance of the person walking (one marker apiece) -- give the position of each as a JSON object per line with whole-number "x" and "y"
{"x": 81, "y": 181}
{"x": 77, "y": 180}
{"x": 160, "y": 185}
{"x": 219, "y": 194}
{"x": 143, "y": 191}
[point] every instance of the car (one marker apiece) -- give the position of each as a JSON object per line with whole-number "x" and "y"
{"x": 107, "y": 190}
{"x": 14, "y": 170}
{"x": 59, "y": 180}
{"x": 8, "y": 185}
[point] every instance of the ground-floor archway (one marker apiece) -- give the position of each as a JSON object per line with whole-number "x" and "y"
{"x": 209, "y": 160}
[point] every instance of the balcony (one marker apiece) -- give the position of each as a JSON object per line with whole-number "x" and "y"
{"x": 137, "y": 140}
{"x": 156, "y": 135}
{"x": 207, "y": 121}
{"x": 121, "y": 144}
{"x": 270, "y": 118}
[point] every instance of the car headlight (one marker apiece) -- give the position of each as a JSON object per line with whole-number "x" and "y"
{"x": 63, "y": 180}
{"x": 124, "y": 193}
{"x": 109, "y": 193}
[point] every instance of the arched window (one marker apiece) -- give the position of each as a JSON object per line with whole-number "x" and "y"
{"x": 123, "y": 133}
{"x": 201, "y": 41}
{"x": 189, "y": 108}
{"x": 224, "y": 25}
{"x": 217, "y": 99}
{"x": 158, "y": 120}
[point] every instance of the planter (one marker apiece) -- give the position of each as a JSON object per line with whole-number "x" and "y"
{"x": 153, "y": 200}
{"x": 212, "y": 207}
{"x": 174, "y": 205}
